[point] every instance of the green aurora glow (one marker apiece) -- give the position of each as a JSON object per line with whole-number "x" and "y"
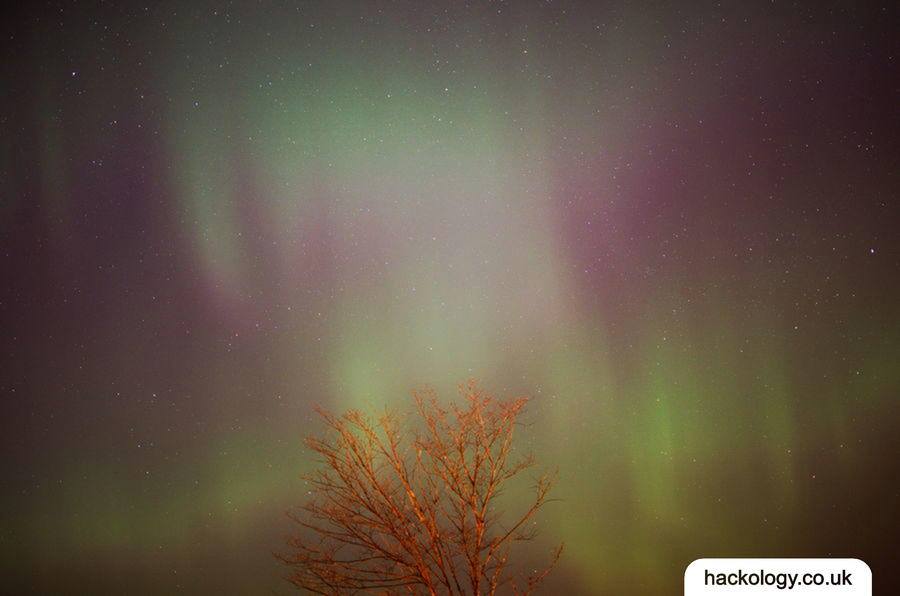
{"x": 214, "y": 218}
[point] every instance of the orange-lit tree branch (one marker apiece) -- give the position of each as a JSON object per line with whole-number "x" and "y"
{"x": 400, "y": 510}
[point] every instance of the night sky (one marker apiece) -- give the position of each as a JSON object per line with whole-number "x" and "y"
{"x": 672, "y": 224}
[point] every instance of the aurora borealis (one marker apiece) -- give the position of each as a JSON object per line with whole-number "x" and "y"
{"x": 674, "y": 225}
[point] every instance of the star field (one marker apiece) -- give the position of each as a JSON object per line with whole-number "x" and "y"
{"x": 673, "y": 225}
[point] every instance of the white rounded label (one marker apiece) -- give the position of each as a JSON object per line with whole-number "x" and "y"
{"x": 757, "y": 577}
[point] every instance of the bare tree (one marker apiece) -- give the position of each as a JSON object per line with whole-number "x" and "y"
{"x": 412, "y": 509}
